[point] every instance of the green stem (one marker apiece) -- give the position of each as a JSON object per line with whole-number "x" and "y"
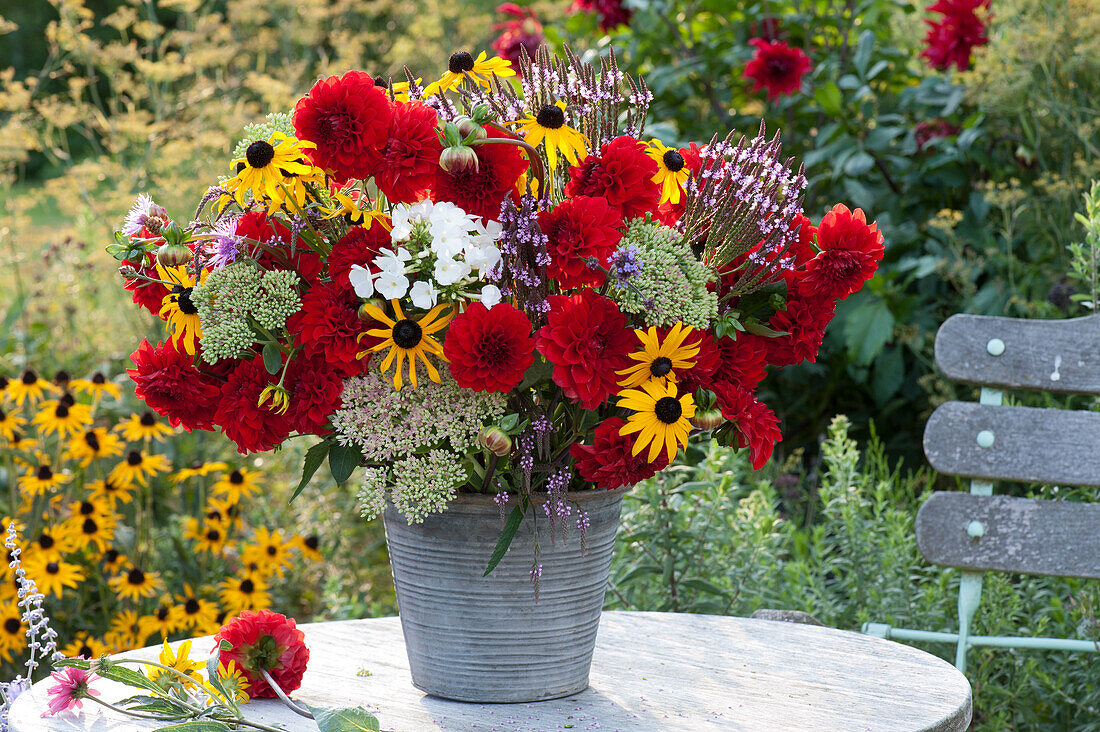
{"x": 283, "y": 697}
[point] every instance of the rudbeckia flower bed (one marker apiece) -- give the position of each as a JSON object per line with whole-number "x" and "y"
{"x": 490, "y": 283}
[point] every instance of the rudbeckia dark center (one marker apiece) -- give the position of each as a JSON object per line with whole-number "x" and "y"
{"x": 84, "y": 652}
{"x": 162, "y": 613}
{"x": 67, "y": 399}
{"x": 53, "y": 568}
{"x": 236, "y": 477}
{"x": 191, "y": 606}
{"x": 135, "y": 576}
{"x": 44, "y": 472}
{"x": 133, "y": 458}
{"x": 110, "y": 486}
{"x": 62, "y": 411}
{"x": 673, "y": 160}
{"x": 380, "y": 82}
{"x": 247, "y": 586}
{"x": 29, "y": 377}
{"x": 89, "y": 526}
{"x": 312, "y": 542}
{"x": 407, "y": 334}
{"x": 62, "y": 377}
{"x": 148, "y": 420}
{"x": 11, "y": 625}
{"x": 660, "y": 366}
{"x": 233, "y": 511}
{"x": 259, "y": 154}
{"x": 110, "y": 556}
{"x": 98, "y": 378}
{"x": 213, "y": 535}
{"x": 459, "y": 62}
{"x": 240, "y": 167}
{"x": 184, "y": 300}
{"x": 551, "y": 117}
{"x": 91, "y": 439}
{"x": 272, "y": 551}
{"x": 668, "y": 410}
{"x": 215, "y": 515}
{"x": 45, "y": 541}
{"x": 87, "y": 508}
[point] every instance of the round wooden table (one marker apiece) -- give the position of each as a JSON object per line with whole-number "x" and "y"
{"x": 652, "y": 671}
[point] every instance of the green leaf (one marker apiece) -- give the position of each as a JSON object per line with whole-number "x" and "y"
{"x": 200, "y": 725}
{"x": 273, "y": 359}
{"x": 538, "y": 371}
{"x": 506, "y": 535}
{"x": 314, "y": 457}
{"x": 703, "y": 585}
{"x": 72, "y": 663}
{"x": 867, "y": 330}
{"x": 343, "y": 460}
{"x": 353, "y": 719}
{"x": 859, "y": 163}
{"x": 828, "y": 96}
{"x": 863, "y": 52}
{"x": 757, "y": 328}
{"x": 127, "y": 676}
{"x": 889, "y": 373}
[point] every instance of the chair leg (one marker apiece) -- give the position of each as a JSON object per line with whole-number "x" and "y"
{"x": 970, "y": 595}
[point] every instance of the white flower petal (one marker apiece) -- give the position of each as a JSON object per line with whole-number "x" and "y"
{"x": 490, "y": 295}
{"x": 362, "y": 280}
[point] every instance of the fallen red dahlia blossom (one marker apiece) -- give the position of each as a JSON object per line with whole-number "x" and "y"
{"x": 265, "y": 641}
{"x": 608, "y": 462}
{"x": 776, "y": 67}
{"x": 489, "y": 348}
{"x": 168, "y": 382}
{"x": 587, "y": 339}
{"x": 348, "y": 118}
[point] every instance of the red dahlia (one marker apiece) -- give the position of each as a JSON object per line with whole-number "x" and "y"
{"x": 315, "y": 387}
{"x": 409, "y": 154}
{"x": 623, "y": 174}
{"x": 265, "y": 641}
{"x": 481, "y": 192}
{"x": 608, "y": 462}
{"x": 149, "y": 295}
{"x": 578, "y": 229}
{"x": 348, "y": 118}
{"x": 253, "y": 428}
{"x": 169, "y": 383}
{"x": 804, "y": 320}
{"x": 951, "y": 39}
{"x": 489, "y": 349}
{"x": 587, "y": 339}
{"x": 328, "y": 324}
{"x": 741, "y": 362}
{"x": 803, "y": 249}
{"x": 757, "y": 426}
{"x": 257, "y": 226}
{"x": 776, "y": 67}
{"x": 359, "y": 246}
{"x": 850, "y": 252}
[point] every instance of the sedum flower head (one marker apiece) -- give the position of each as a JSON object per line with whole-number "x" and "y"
{"x": 275, "y": 122}
{"x": 235, "y": 297}
{"x": 425, "y": 484}
{"x": 671, "y": 284}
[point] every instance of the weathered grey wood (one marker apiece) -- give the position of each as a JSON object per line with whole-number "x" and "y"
{"x": 1022, "y": 535}
{"x": 786, "y": 616}
{"x": 1030, "y": 445}
{"x": 1043, "y": 355}
{"x": 652, "y": 671}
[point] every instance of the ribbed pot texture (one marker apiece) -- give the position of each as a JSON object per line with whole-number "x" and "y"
{"x": 486, "y": 639}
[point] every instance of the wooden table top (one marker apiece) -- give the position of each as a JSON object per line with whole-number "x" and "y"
{"x": 652, "y": 671}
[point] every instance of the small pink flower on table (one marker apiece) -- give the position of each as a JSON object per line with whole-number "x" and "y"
{"x": 73, "y": 686}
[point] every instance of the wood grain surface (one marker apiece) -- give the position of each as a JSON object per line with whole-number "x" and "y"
{"x": 1043, "y": 355}
{"x": 1029, "y": 444}
{"x": 1022, "y": 535}
{"x": 652, "y": 671}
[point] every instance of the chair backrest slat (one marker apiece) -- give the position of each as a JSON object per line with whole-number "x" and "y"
{"x": 1042, "y": 355}
{"x": 1058, "y": 538}
{"x": 1014, "y": 443}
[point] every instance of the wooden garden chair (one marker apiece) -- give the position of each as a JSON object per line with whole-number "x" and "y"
{"x": 978, "y": 531}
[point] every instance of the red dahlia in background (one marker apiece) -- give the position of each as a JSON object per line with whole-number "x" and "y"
{"x": 612, "y": 13}
{"x": 776, "y": 67}
{"x": 577, "y": 229}
{"x": 359, "y": 246}
{"x": 168, "y": 382}
{"x": 252, "y": 427}
{"x": 608, "y": 462}
{"x": 757, "y": 426}
{"x": 587, "y": 339}
{"x": 265, "y": 641}
{"x": 521, "y": 32}
{"x": 409, "y": 156}
{"x": 489, "y": 349}
{"x": 850, "y": 252}
{"x": 951, "y": 39}
{"x": 481, "y": 192}
{"x": 623, "y": 174}
{"x": 348, "y": 118}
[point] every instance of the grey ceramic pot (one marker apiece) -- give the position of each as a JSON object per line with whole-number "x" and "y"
{"x": 486, "y": 639}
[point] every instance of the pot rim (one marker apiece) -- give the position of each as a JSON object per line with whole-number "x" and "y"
{"x": 585, "y": 496}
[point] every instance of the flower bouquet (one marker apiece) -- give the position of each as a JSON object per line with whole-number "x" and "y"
{"x": 494, "y": 297}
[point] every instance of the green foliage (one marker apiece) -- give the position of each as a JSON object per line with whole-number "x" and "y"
{"x": 1084, "y": 256}
{"x": 711, "y": 536}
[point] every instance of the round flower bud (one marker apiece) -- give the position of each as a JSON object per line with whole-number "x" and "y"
{"x": 467, "y": 127}
{"x": 495, "y": 440}
{"x": 708, "y": 419}
{"x": 173, "y": 234}
{"x": 173, "y": 255}
{"x": 460, "y": 159}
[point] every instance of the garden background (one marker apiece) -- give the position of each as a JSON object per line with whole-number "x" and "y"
{"x": 974, "y": 172}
